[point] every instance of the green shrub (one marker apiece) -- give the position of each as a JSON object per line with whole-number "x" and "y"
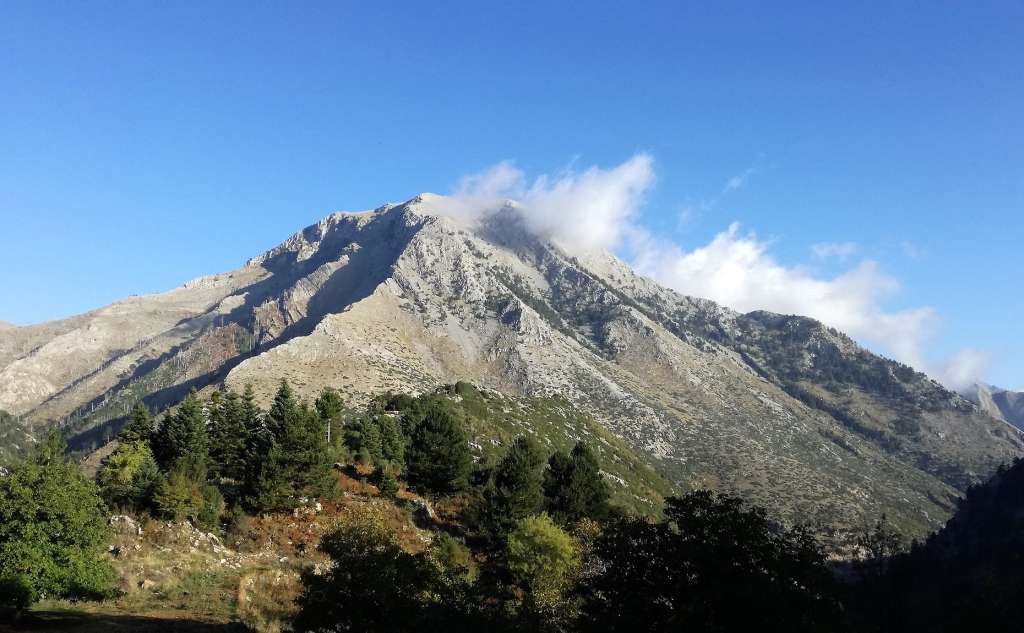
{"x": 53, "y": 531}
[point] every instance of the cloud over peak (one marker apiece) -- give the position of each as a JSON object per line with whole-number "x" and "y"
{"x": 598, "y": 208}
{"x": 592, "y": 209}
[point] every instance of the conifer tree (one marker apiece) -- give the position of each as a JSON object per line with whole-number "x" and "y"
{"x": 371, "y": 440}
{"x": 392, "y": 441}
{"x": 517, "y": 488}
{"x": 250, "y": 412}
{"x": 574, "y": 487}
{"x": 139, "y": 428}
{"x": 438, "y": 456}
{"x": 229, "y": 437}
{"x": 283, "y": 408}
{"x": 182, "y": 443}
{"x": 305, "y": 459}
{"x": 330, "y": 406}
{"x": 290, "y": 458}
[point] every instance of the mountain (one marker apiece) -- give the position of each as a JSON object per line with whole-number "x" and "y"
{"x": 782, "y": 409}
{"x": 1001, "y": 404}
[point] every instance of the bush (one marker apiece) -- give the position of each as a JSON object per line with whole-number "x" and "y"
{"x": 179, "y": 497}
{"x": 53, "y": 531}
{"x": 211, "y": 510}
{"x": 541, "y": 558}
{"x": 129, "y": 477}
{"x": 17, "y": 591}
{"x": 453, "y": 557}
{"x": 387, "y": 484}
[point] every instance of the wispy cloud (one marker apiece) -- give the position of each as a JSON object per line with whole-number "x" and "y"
{"x": 738, "y": 181}
{"x": 597, "y": 208}
{"x": 911, "y": 250}
{"x": 839, "y": 250}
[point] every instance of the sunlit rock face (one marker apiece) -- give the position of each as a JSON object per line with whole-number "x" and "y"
{"x": 788, "y": 412}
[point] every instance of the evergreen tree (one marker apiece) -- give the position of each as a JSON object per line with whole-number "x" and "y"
{"x": 53, "y": 531}
{"x": 290, "y": 457}
{"x": 229, "y": 437}
{"x": 330, "y": 407}
{"x": 182, "y": 443}
{"x": 371, "y": 440}
{"x": 574, "y": 486}
{"x": 264, "y": 484}
{"x": 139, "y": 428}
{"x": 380, "y": 437}
{"x": 438, "y": 455}
{"x": 392, "y": 441}
{"x": 283, "y": 409}
{"x": 516, "y": 490}
{"x": 250, "y": 412}
{"x": 305, "y": 461}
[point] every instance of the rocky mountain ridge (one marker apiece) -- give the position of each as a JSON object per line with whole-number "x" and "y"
{"x": 1002, "y": 404}
{"x": 782, "y": 409}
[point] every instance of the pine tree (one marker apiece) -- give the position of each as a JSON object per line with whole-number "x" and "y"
{"x": 372, "y": 440}
{"x": 290, "y": 458}
{"x": 438, "y": 456}
{"x": 330, "y": 406}
{"x": 305, "y": 457}
{"x": 250, "y": 412}
{"x": 283, "y": 409}
{"x": 182, "y": 443}
{"x": 574, "y": 486}
{"x": 139, "y": 428}
{"x": 229, "y": 437}
{"x": 517, "y": 489}
{"x": 392, "y": 441}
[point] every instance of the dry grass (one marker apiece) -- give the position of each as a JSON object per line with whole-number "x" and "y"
{"x": 266, "y": 599}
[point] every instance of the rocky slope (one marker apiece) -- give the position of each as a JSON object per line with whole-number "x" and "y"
{"x": 1001, "y": 404}
{"x": 782, "y": 409}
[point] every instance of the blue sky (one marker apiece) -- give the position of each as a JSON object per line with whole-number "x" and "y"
{"x": 145, "y": 144}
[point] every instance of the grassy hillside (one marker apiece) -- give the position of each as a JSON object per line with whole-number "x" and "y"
{"x": 493, "y": 420}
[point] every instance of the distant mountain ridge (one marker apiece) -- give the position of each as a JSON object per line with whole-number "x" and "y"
{"x": 782, "y": 409}
{"x": 999, "y": 403}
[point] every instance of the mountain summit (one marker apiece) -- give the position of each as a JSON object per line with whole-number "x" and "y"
{"x": 782, "y": 409}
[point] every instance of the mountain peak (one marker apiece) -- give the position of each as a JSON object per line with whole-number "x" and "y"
{"x": 407, "y": 297}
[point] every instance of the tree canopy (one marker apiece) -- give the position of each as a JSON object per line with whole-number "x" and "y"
{"x": 53, "y": 530}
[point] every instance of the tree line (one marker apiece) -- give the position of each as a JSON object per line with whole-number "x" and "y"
{"x": 530, "y": 542}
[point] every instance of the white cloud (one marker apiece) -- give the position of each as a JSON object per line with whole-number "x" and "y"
{"x": 597, "y": 209}
{"x": 965, "y": 368}
{"x": 585, "y": 210}
{"x": 839, "y": 250}
{"x": 737, "y": 270}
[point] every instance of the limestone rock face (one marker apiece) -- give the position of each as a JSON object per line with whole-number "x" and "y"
{"x": 1001, "y": 404}
{"x": 781, "y": 409}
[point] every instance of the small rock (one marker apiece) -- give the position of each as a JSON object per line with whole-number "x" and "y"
{"x": 124, "y": 524}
